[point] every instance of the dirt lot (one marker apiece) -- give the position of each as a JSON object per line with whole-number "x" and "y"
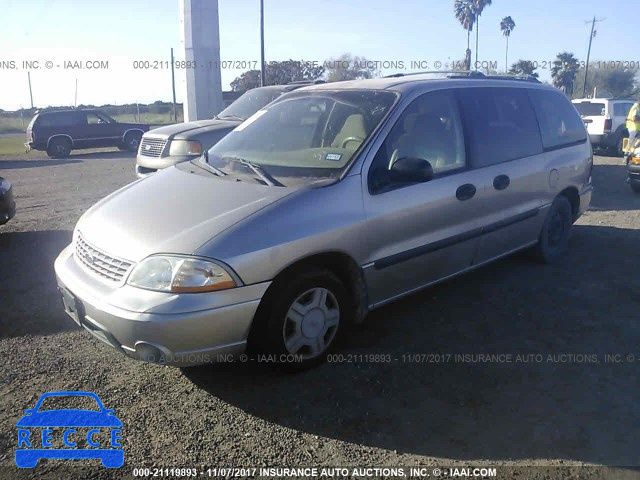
{"x": 563, "y": 410}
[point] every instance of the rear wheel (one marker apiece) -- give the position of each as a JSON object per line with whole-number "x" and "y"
{"x": 132, "y": 141}
{"x": 303, "y": 317}
{"x": 59, "y": 147}
{"x": 554, "y": 237}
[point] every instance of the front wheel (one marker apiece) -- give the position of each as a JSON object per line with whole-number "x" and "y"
{"x": 553, "y": 242}
{"x": 132, "y": 141}
{"x": 302, "y": 320}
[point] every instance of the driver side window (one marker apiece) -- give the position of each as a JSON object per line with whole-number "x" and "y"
{"x": 429, "y": 129}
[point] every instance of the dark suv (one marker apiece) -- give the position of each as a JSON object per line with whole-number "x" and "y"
{"x": 59, "y": 131}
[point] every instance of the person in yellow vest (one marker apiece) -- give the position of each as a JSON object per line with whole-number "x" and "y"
{"x": 633, "y": 122}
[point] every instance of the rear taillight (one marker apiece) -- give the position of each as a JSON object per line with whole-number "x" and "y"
{"x": 607, "y": 125}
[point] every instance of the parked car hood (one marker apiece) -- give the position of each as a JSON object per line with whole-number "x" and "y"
{"x": 186, "y": 130}
{"x": 173, "y": 211}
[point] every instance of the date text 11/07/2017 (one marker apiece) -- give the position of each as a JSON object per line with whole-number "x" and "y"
{"x": 193, "y": 64}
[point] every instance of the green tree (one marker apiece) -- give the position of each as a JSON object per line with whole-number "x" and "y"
{"x": 524, "y": 67}
{"x": 348, "y": 67}
{"x": 464, "y": 11}
{"x": 478, "y": 8}
{"x": 278, "y": 73}
{"x": 506, "y": 26}
{"x": 564, "y": 71}
{"x": 619, "y": 82}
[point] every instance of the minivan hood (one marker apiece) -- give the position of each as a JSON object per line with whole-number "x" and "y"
{"x": 173, "y": 211}
{"x": 185, "y": 130}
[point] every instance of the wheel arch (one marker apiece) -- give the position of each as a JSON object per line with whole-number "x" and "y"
{"x": 58, "y": 135}
{"x": 339, "y": 263}
{"x": 572, "y": 194}
{"x": 129, "y": 130}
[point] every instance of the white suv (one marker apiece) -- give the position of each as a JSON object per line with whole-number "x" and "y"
{"x": 605, "y": 119}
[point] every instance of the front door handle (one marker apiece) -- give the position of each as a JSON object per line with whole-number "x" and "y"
{"x": 465, "y": 192}
{"x": 501, "y": 182}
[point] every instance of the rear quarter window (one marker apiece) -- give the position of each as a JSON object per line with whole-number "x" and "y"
{"x": 501, "y": 125}
{"x": 560, "y": 123}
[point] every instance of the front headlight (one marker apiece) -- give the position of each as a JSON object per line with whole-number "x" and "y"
{"x": 180, "y": 275}
{"x": 185, "y": 147}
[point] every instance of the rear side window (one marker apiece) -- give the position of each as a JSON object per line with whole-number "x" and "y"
{"x": 621, "y": 109}
{"x": 590, "y": 109}
{"x": 560, "y": 123}
{"x": 501, "y": 125}
{"x": 57, "y": 120}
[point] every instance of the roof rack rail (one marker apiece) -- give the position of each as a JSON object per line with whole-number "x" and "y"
{"x": 307, "y": 82}
{"x": 467, "y": 74}
{"x": 523, "y": 78}
{"x": 447, "y": 73}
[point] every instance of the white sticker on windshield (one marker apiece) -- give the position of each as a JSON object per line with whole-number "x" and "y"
{"x": 333, "y": 157}
{"x": 249, "y": 120}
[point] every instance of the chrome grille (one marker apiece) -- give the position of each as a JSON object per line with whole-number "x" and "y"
{"x": 100, "y": 263}
{"x": 152, "y": 147}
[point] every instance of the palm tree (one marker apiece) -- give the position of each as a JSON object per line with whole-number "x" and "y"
{"x": 564, "y": 71}
{"x": 524, "y": 67}
{"x": 507, "y": 25}
{"x": 478, "y": 7}
{"x": 465, "y": 13}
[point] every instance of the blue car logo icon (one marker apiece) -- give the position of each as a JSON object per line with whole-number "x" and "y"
{"x": 34, "y": 444}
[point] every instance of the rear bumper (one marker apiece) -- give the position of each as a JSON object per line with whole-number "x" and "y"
{"x": 172, "y": 329}
{"x": 604, "y": 140}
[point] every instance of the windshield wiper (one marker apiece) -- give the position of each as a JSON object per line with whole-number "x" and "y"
{"x": 257, "y": 169}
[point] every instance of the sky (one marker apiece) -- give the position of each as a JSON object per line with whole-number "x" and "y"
{"x": 117, "y": 33}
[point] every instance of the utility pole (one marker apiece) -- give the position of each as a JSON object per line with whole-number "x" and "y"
{"x": 30, "y": 91}
{"x": 586, "y": 68}
{"x": 173, "y": 87}
{"x": 263, "y": 72}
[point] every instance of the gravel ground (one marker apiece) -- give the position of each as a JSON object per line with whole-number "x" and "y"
{"x": 438, "y": 411}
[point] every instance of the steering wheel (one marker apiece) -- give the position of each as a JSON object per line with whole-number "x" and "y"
{"x": 351, "y": 139}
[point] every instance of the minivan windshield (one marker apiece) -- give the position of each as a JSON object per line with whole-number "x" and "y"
{"x": 249, "y": 103}
{"x": 303, "y": 137}
{"x": 590, "y": 109}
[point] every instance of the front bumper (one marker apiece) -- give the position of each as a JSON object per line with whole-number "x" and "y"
{"x": 172, "y": 329}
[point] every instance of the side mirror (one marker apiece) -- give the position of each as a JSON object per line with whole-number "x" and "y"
{"x": 408, "y": 169}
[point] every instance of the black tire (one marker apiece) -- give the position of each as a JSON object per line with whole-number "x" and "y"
{"x": 273, "y": 323}
{"x": 132, "y": 141}
{"x": 59, "y": 147}
{"x": 553, "y": 242}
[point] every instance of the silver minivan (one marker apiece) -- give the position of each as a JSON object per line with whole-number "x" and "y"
{"x": 330, "y": 202}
